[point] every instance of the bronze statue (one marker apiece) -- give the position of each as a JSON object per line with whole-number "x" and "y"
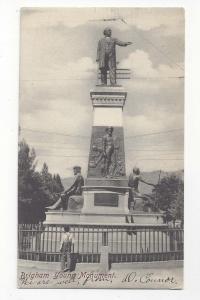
{"x": 75, "y": 189}
{"x": 107, "y": 152}
{"x": 106, "y": 56}
{"x": 134, "y": 179}
{"x": 108, "y": 149}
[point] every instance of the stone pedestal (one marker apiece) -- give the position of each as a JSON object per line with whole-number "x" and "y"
{"x": 106, "y": 188}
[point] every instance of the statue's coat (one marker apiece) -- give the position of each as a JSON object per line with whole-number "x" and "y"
{"x": 101, "y": 51}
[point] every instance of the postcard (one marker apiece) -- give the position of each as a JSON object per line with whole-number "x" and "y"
{"x": 101, "y": 148}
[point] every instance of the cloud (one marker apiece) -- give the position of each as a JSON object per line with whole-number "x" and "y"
{"x": 58, "y": 88}
{"x": 148, "y": 81}
{"x": 170, "y": 19}
{"x": 61, "y": 105}
{"x": 58, "y": 117}
{"x": 71, "y": 17}
{"x": 154, "y": 152}
{"x": 152, "y": 121}
{"x": 83, "y": 67}
{"x": 141, "y": 65}
{"x": 51, "y": 17}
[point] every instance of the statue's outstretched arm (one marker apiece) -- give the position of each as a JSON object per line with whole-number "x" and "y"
{"x": 123, "y": 44}
{"x": 148, "y": 183}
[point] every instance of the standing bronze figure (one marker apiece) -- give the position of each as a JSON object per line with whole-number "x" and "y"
{"x": 108, "y": 150}
{"x": 106, "y": 56}
{"x": 106, "y": 153}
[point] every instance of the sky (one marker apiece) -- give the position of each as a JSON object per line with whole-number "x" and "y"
{"x": 58, "y": 70}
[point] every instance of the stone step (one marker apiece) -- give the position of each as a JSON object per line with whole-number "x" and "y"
{"x": 141, "y": 219}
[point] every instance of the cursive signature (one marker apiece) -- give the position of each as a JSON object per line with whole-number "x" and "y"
{"x": 148, "y": 278}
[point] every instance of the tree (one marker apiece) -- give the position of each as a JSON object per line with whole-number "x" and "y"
{"x": 26, "y": 169}
{"x": 58, "y": 184}
{"x": 36, "y": 190}
{"x": 52, "y": 184}
{"x": 47, "y": 178}
{"x": 31, "y": 191}
{"x": 169, "y": 197}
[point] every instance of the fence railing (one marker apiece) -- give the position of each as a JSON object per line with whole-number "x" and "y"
{"x": 120, "y": 74}
{"x": 127, "y": 243}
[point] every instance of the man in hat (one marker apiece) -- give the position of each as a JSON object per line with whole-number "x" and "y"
{"x": 75, "y": 189}
{"x": 106, "y": 56}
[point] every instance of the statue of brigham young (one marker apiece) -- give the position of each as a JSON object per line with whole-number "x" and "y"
{"x": 106, "y": 56}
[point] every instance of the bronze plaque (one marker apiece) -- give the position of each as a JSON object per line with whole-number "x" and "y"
{"x": 106, "y": 199}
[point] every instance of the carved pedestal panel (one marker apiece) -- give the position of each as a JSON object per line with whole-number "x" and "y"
{"x": 106, "y": 157}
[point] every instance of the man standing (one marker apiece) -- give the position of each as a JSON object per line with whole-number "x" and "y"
{"x": 75, "y": 189}
{"x": 106, "y": 56}
{"x": 66, "y": 247}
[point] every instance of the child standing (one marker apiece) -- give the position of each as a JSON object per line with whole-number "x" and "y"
{"x": 66, "y": 246}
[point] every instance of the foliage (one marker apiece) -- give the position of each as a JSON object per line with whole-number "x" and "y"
{"x": 169, "y": 197}
{"x": 35, "y": 189}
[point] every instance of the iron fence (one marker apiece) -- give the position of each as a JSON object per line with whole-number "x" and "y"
{"x": 127, "y": 243}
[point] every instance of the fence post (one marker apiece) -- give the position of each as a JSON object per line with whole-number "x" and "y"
{"x": 104, "y": 254}
{"x": 104, "y": 262}
{"x": 104, "y": 238}
{"x": 171, "y": 240}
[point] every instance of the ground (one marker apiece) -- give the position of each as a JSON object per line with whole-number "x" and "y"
{"x": 162, "y": 275}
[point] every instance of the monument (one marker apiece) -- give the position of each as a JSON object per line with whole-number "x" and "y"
{"x": 106, "y": 191}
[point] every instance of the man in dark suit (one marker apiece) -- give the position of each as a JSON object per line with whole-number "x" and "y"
{"x": 106, "y": 56}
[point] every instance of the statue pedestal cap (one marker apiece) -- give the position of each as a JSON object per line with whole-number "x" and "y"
{"x": 108, "y": 96}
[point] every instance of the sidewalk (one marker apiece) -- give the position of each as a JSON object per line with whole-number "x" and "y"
{"x": 161, "y": 275}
